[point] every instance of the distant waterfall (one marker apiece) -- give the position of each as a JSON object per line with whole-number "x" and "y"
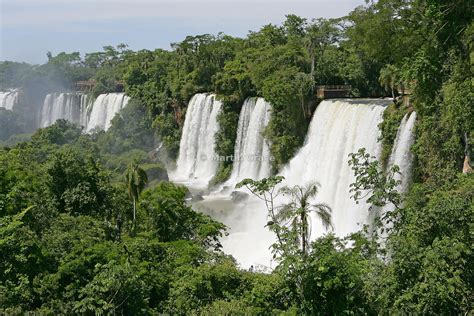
{"x": 104, "y": 109}
{"x": 67, "y": 106}
{"x": 197, "y": 161}
{"x": 338, "y": 128}
{"x": 252, "y": 152}
{"x": 8, "y": 99}
{"x": 80, "y": 109}
{"x": 401, "y": 152}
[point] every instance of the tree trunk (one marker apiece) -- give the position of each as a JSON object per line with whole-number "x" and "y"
{"x": 134, "y": 214}
{"x": 303, "y": 107}
{"x": 303, "y": 233}
{"x": 313, "y": 67}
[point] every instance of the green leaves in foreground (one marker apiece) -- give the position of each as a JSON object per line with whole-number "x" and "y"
{"x": 371, "y": 181}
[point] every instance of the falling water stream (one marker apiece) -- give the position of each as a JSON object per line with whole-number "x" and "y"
{"x": 252, "y": 157}
{"x": 197, "y": 162}
{"x": 80, "y": 109}
{"x": 8, "y": 99}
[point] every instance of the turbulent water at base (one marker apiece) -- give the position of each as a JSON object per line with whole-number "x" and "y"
{"x": 8, "y": 99}
{"x": 338, "y": 128}
{"x": 252, "y": 152}
{"x": 104, "y": 109}
{"x": 67, "y": 106}
{"x": 401, "y": 152}
{"x": 197, "y": 159}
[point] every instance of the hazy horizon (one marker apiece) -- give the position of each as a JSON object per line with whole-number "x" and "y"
{"x": 31, "y": 28}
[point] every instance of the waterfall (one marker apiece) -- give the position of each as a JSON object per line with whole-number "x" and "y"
{"x": 8, "y": 99}
{"x": 252, "y": 152}
{"x": 338, "y": 128}
{"x": 67, "y": 106}
{"x": 104, "y": 109}
{"x": 197, "y": 159}
{"x": 401, "y": 156}
{"x": 79, "y": 109}
{"x": 401, "y": 152}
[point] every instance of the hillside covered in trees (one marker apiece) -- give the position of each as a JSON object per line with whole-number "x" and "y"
{"x": 90, "y": 224}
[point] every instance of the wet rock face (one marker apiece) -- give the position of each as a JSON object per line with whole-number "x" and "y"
{"x": 156, "y": 172}
{"x": 197, "y": 198}
{"x": 188, "y": 195}
{"x": 466, "y": 167}
{"x": 237, "y": 196}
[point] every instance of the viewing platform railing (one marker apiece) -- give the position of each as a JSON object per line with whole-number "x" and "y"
{"x": 88, "y": 85}
{"x": 333, "y": 91}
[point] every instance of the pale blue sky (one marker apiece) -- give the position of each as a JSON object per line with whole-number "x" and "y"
{"x": 30, "y": 28}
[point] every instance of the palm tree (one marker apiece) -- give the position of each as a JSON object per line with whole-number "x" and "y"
{"x": 296, "y": 213}
{"x": 389, "y": 78}
{"x": 136, "y": 179}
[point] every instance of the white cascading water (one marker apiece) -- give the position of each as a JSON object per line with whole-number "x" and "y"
{"x": 197, "y": 161}
{"x": 8, "y": 99}
{"x": 252, "y": 151}
{"x": 401, "y": 152}
{"x": 338, "y": 128}
{"x": 67, "y": 106}
{"x": 104, "y": 108}
{"x": 401, "y": 156}
{"x": 79, "y": 109}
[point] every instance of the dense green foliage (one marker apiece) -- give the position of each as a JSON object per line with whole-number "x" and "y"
{"x": 392, "y": 116}
{"x": 10, "y": 123}
{"x": 430, "y": 268}
{"x": 71, "y": 242}
{"x": 64, "y": 232}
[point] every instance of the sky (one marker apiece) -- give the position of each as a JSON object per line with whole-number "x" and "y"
{"x": 31, "y": 28}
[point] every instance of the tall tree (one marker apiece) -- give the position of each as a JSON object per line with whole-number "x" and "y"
{"x": 321, "y": 34}
{"x": 304, "y": 83}
{"x": 136, "y": 179}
